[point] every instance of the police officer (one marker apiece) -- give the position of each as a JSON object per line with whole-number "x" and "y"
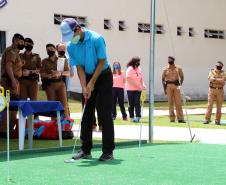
{"x": 216, "y": 84}
{"x": 87, "y": 50}
{"x": 52, "y": 72}
{"x": 11, "y": 68}
{"x": 31, "y": 69}
{"x": 172, "y": 79}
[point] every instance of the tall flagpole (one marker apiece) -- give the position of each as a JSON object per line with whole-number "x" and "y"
{"x": 151, "y": 71}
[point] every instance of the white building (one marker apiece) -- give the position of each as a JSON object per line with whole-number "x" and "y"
{"x": 185, "y": 28}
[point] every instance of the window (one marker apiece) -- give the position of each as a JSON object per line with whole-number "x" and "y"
{"x": 82, "y": 21}
{"x": 215, "y": 34}
{"x": 122, "y": 26}
{"x": 143, "y": 27}
{"x": 159, "y": 29}
{"x": 2, "y": 42}
{"x": 107, "y": 24}
{"x": 58, "y": 18}
{"x": 180, "y": 31}
{"x": 191, "y": 32}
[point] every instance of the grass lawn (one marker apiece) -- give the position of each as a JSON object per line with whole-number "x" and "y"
{"x": 196, "y": 121}
{"x": 75, "y": 105}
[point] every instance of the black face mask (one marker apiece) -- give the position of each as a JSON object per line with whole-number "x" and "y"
{"x": 219, "y": 68}
{"x": 61, "y": 53}
{"x": 51, "y": 53}
{"x": 171, "y": 62}
{"x": 20, "y": 46}
{"x": 137, "y": 64}
{"x": 28, "y": 47}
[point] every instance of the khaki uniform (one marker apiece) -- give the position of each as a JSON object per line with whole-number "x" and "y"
{"x": 29, "y": 84}
{"x": 10, "y": 55}
{"x": 215, "y": 91}
{"x": 55, "y": 87}
{"x": 171, "y": 76}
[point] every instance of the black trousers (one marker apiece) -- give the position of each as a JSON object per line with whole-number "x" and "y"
{"x": 94, "y": 115}
{"x": 102, "y": 89}
{"x": 134, "y": 102}
{"x": 118, "y": 95}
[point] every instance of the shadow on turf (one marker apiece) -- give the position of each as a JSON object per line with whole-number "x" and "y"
{"x": 96, "y": 162}
{"x": 58, "y": 151}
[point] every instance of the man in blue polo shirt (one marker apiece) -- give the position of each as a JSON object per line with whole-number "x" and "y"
{"x": 87, "y": 50}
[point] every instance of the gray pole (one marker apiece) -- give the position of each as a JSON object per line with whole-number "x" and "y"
{"x": 151, "y": 71}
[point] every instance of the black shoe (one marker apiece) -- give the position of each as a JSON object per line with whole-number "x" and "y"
{"x": 94, "y": 128}
{"x": 100, "y": 128}
{"x": 82, "y": 155}
{"x": 206, "y": 122}
{"x": 181, "y": 121}
{"x": 3, "y": 135}
{"x": 106, "y": 157}
{"x": 67, "y": 134}
{"x": 217, "y": 122}
{"x": 172, "y": 121}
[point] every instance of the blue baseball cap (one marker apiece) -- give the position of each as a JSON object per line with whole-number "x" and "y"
{"x": 67, "y": 27}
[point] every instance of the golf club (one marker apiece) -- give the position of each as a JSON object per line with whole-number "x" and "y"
{"x": 185, "y": 99}
{"x": 71, "y": 160}
{"x": 142, "y": 99}
{"x": 7, "y": 110}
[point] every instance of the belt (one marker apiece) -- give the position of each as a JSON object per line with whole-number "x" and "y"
{"x": 7, "y": 77}
{"x": 106, "y": 70}
{"x": 30, "y": 77}
{"x": 175, "y": 82}
{"x": 218, "y": 88}
{"x": 55, "y": 80}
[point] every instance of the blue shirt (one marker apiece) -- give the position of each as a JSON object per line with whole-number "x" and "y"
{"x": 88, "y": 52}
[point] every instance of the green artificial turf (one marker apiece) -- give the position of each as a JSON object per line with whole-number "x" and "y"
{"x": 154, "y": 164}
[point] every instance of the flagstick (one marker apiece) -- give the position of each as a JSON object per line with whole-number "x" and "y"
{"x": 8, "y": 162}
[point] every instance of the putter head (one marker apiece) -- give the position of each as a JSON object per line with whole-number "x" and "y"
{"x": 187, "y": 97}
{"x": 69, "y": 160}
{"x": 192, "y": 138}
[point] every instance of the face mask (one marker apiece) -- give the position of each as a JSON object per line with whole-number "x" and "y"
{"x": 51, "y": 53}
{"x": 116, "y": 66}
{"x": 219, "y": 67}
{"x": 75, "y": 39}
{"x": 137, "y": 64}
{"x": 28, "y": 47}
{"x": 61, "y": 53}
{"x": 171, "y": 62}
{"x": 20, "y": 46}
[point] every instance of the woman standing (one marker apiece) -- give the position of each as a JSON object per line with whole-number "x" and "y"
{"x": 118, "y": 91}
{"x": 134, "y": 86}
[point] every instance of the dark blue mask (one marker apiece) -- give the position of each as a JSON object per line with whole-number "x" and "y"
{"x": 116, "y": 66}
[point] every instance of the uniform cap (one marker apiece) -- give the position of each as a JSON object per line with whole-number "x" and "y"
{"x": 219, "y": 63}
{"x": 172, "y": 58}
{"x": 29, "y": 40}
{"x": 18, "y": 36}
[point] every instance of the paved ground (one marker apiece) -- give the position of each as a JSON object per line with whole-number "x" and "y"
{"x": 216, "y": 136}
